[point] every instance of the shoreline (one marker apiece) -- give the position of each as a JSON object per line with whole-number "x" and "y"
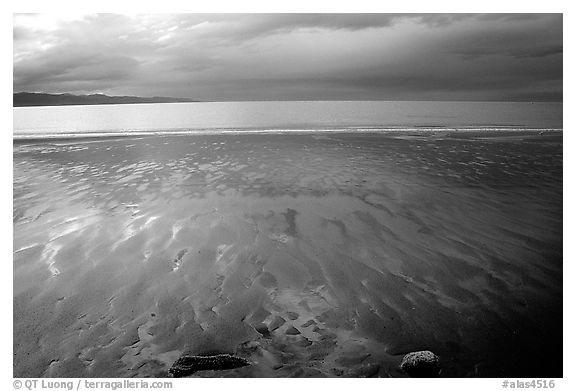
{"x": 271, "y": 131}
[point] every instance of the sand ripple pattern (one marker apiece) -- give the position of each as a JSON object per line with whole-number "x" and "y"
{"x": 308, "y": 255}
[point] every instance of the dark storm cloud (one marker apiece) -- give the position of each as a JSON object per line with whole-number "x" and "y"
{"x": 293, "y": 56}
{"x": 505, "y": 37}
{"x": 75, "y": 70}
{"x": 241, "y": 27}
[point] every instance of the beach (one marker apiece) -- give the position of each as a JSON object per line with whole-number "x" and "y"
{"x": 326, "y": 254}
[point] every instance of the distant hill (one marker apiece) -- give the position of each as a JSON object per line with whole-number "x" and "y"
{"x": 21, "y": 99}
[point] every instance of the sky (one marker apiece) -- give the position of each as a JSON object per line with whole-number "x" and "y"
{"x": 237, "y": 57}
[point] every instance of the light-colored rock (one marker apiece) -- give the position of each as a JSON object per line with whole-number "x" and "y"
{"x": 421, "y": 364}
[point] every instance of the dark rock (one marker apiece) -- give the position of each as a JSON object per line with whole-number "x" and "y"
{"x": 187, "y": 365}
{"x": 421, "y": 364}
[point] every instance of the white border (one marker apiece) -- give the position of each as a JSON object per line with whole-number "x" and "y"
{"x": 260, "y": 6}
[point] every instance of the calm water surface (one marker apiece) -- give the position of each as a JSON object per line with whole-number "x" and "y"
{"x": 283, "y": 115}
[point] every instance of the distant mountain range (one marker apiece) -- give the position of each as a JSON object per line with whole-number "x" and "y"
{"x": 21, "y": 99}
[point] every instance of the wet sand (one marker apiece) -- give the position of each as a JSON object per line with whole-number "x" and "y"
{"x": 308, "y": 255}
